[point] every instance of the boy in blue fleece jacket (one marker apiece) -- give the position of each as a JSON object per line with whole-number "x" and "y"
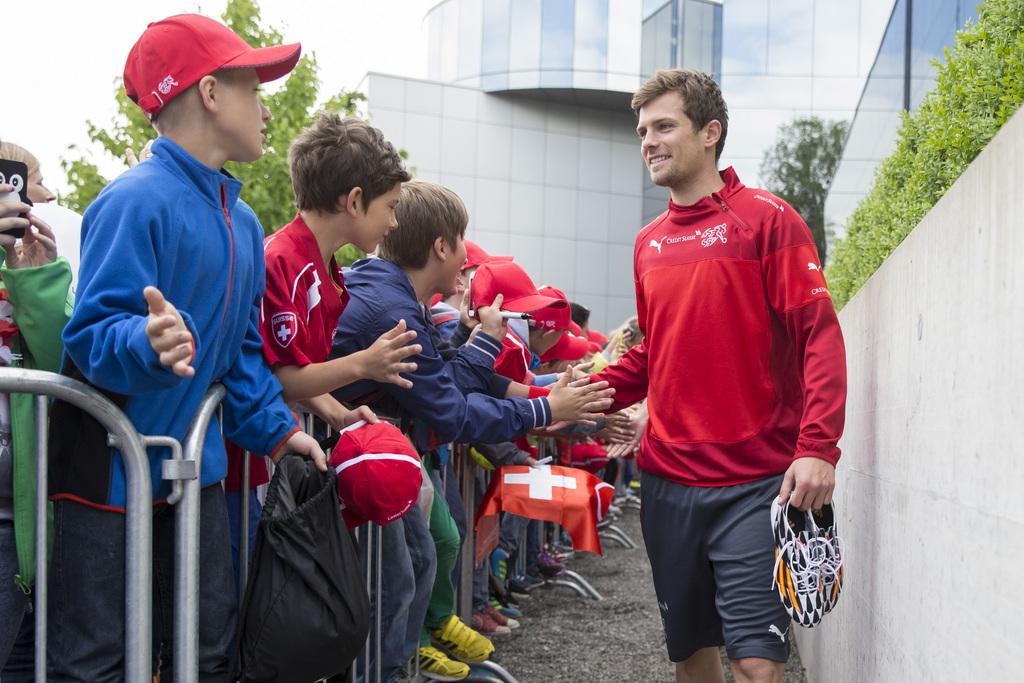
{"x": 168, "y": 303}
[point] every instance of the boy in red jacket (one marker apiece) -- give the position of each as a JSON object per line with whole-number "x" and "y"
{"x": 346, "y": 179}
{"x": 744, "y": 369}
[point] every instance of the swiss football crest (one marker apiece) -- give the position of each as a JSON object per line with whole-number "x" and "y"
{"x": 284, "y": 327}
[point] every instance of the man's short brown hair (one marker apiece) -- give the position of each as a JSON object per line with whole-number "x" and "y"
{"x": 425, "y": 212}
{"x": 702, "y": 98}
{"x": 334, "y": 156}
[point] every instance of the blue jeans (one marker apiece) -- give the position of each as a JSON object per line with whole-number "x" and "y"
{"x": 86, "y": 627}
{"x": 234, "y": 504}
{"x": 408, "y": 565}
{"x": 17, "y": 626}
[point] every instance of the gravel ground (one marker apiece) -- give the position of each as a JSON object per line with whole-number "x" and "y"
{"x": 568, "y": 639}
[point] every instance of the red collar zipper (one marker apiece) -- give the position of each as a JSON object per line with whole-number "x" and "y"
{"x": 729, "y": 211}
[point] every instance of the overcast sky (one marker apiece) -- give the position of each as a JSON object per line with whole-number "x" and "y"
{"x": 63, "y": 56}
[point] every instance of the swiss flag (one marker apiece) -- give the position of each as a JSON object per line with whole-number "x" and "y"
{"x": 564, "y": 495}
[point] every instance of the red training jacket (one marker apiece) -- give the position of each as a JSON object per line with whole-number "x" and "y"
{"x": 743, "y": 360}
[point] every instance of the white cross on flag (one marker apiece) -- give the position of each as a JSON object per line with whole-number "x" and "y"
{"x": 285, "y": 326}
{"x": 567, "y": 496}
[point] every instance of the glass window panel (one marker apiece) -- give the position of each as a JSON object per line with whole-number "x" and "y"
{"x": 657, "y": 41}
{"x": 434, "y": 46}
{"x": 525, "y": 33}
{"x": 624, "y": 22}
{"x": 590, "y": 52}
{"x": 470, "y": 18}
{"x": 884, "y": 88}
{"x": 835, "y": 41}
{"x": 745, "y": 44}
{"x": 790, "y": 36}
{"x": 698, "y": 36}
{"x": 651, "y": 6}
{"x": 932, "y": 28}
{"x": 558, "y": 20}
{"x": 494, "y": 52}
{"x": 449, "y": 42}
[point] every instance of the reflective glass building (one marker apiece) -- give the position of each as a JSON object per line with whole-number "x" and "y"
{"x": 525, "y": 113}
{"x": 901, "y": 75}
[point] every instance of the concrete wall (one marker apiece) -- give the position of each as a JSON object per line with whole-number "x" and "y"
{"x": 931, "y": 484}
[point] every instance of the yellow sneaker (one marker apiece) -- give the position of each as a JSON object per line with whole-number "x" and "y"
{"x": 463, "y": 642}
{"x": 437, "y": 666}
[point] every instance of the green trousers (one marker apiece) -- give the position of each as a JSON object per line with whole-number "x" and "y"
{"x": 446, "y": 540}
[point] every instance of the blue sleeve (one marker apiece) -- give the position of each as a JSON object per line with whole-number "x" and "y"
{"x": 255, "y": 416}
{"x": 472, "y": 366}
{"x": 436, "y": 398}
{"x": 106, "y": 335}
{"x": 544, "y": 380}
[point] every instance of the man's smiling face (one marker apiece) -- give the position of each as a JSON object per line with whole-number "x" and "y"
{"x": 672, "y": 147}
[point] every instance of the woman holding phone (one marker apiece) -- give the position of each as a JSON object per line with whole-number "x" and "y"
{"x": 34, "y": 306}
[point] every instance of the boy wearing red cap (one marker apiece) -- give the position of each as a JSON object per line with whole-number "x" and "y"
{"x": 549, "y": 311}
{"x": 156, "y": 352}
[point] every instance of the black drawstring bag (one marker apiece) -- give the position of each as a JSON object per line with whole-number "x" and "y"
{"x": 306, "y": 614}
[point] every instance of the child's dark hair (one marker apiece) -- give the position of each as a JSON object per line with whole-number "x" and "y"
{"x": 336, "y": 155}
{"x": 580, "y": 313}
{"x": 425, "y": 212}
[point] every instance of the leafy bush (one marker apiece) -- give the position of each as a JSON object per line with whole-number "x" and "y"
{"x": 979, "y": 87}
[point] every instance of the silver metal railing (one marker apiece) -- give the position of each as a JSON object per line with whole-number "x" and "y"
{"x": 138, "y": 507}
{"x": 184, "y": 472}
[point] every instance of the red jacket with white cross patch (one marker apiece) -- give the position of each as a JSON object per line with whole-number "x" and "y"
{"x": 743, "y": 360}
{"x": 303, "y": 300}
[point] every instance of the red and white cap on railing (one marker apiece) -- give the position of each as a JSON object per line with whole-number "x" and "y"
{"x": 379, "y": 473}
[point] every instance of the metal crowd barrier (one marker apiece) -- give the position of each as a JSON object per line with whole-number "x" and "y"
{"x": 138, "y": 509}
{"x": 184, "y": 473}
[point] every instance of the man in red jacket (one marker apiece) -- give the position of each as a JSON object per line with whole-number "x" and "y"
{"x": 744, "y": 369}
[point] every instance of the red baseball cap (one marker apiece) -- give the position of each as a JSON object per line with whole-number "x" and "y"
{"x": 553, "y": 317}
{"x": 570, "y": 346}
{"x": 379, "y": 473}
{"x": 175, "y": 53}
{"x": 510, "y": 280}
{"x": 476, "y": 256}
{"x": 596, "y": 337}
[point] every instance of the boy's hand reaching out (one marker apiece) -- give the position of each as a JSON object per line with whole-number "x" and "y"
{"x": 383, "y": 361}
{"x": 579, "y": 401}
{"x": 168, "y": 335}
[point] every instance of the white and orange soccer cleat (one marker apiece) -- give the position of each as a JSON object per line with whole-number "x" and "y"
{"x": 808, "y": 573}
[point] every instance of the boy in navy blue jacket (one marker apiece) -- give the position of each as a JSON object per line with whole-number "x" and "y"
{"x": 174, "y": 227}
{"x": 452, "y": 401}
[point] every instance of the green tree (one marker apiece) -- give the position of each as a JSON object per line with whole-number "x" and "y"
{"x": 268, "y": 187}
{"x": 800, "y": 166}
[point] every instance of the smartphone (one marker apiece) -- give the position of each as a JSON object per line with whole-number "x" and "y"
{"x": 469, "y": 293}
{"x": 15, "y": 173}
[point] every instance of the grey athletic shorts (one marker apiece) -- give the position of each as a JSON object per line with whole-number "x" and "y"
{"x": 712, "y": 554}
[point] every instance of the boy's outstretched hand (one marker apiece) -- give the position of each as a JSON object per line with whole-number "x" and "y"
{"x": 168, "y": 335}
{"x": 303, "y": 444}
{"x": 383, "y": 361}
{"x": 579, "y": 401}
